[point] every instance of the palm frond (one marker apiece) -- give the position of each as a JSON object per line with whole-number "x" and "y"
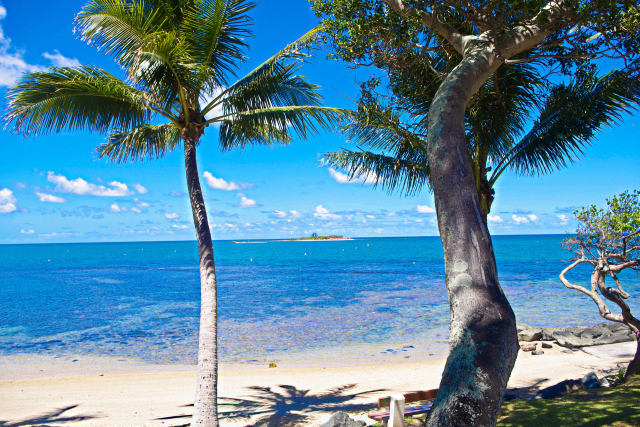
{"x": 143, "y": 142}
{"x": 570, "y": 119}
{"x": 389, "y": 172}
{"x": 272, "y": 84}
{"x": 118, "y": 27}
{"x": 216, "y": 31}
{"x": 276, "y": 125}
{"x": 74, "y": 98}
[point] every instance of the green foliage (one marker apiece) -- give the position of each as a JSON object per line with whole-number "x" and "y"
{"x": 175, "y": 55}
{"x": 611, "y": 233}
{"x": 615, "y": 406}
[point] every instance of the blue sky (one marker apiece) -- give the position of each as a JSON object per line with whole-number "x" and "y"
{"x": 53, "y": 188}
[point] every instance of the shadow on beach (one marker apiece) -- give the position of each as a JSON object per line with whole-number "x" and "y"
{"x": 56, "y": 416}
{"x": 289, "y": 405}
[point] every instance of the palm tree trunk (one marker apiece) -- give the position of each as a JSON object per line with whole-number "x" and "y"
{"x": 205, "y": 410}
{"x": 483, "y": 343}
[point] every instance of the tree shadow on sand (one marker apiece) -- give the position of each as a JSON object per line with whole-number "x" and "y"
{"x": 55, "y": 416}
{"x": 290, "y": 405}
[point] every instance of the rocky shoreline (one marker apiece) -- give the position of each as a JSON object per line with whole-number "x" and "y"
{"x": 576, "y": 337}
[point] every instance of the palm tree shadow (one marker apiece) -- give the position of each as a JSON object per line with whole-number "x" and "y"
{"x": 290, "y": 405}
{"x": 55, "y": 416}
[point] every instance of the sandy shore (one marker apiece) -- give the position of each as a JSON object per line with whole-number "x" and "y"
{"x": 112, "y": 392}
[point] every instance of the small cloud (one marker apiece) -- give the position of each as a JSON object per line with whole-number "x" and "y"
{"x": 115, "y": 208}
{"x": 171, "y": 215}
{"x": 246, "y": 202}
{"x": 520, "y": 219}
{"x": 81, "y": 187}
{"x": 49, "y": 198}
{"x": 141, "y": 203}
{"x": 177, "y": 194}
{"x": 342, "y": 178}
{"x": 7, "y": 201}
{"x": 564, "y": 219}
{"x": 323, "y": 213}
{"x": 221, "y": 184}
{"x": 533, "y": 218}
{"x": 279, "y": 214}
{"x": 425, "y": 209}
{"x": 140, "y": 188}
{"x": 59, "y": 60}
{"x": 495, "y": 218}
{"x": 28, "y": 231}
{"x": 392, "y": 214}
{"x": 295, "y": 214}
{"x": 180, "y": 226}
{"x": 136, "y": 210}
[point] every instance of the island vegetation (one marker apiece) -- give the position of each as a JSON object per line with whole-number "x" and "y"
{"x": 315, "y": 236}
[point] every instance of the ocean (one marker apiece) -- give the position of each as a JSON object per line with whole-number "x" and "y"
{"x": 141, "y": 300}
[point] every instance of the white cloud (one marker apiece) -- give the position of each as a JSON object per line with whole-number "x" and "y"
{"x": 7, "y": 201}
{"x": 140, "y": 188}
{"x": 115, "y": 208}
{"x": 342, "y": 178}
{"x": 392, "y": 214}
{"x": 136, "y": 210}
{"x": 171, "y": 215}
{"x": 221, "y": 184}
{"x": 206, "y": 99}
{"x": 279, "y": 214}
{"x": 425, "y": 209}
{"x": 180, "y": 226}
{"x": 81, "y": 187}
{"x": 495, "y": 218}
{"x": 520, "y": 219}
{"x": 295, "y": 214}
{"x": 59, "y": 60}
{"x": 27, "y": 231}
{"x": 564, "y": 219}
{"x": 246, "y": 202}
{"x": 323, "y": 213}
{"x": 141, "y": 203}
{"x": 12, "y": 62}
{"x": 49, "y": 198}
{"x": 533, "y": 218}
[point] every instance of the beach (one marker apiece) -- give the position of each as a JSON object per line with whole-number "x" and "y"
{"x": 108, "y": 392}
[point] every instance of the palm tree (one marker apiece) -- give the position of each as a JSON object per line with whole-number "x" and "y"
{"x": 178, "y": 56}
{"x": 568, "y": 119}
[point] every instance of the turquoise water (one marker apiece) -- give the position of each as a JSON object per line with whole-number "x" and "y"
{"x": 142, "y": 299}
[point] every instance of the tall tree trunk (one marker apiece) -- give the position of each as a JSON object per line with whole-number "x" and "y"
{"x": 483, "y": 342}
{"x": 205, "y": 410}
{"x": 634, "y": 365}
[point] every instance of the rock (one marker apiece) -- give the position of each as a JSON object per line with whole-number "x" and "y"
{"x": 547, "y": 334}
{"x": 560, "y": 389}
{"x": 341, "y": 419}
{"x": 528, "y": 347}
{"x": 531, "y": 334}
{"x": 567, "y": 351}
{"x": 604, "y": 333}
{"x": 590, "y": 381}
{"x": 522, "y": 326}
{"x": 537, "y": 352}
{"x": 546, "y": 345}
{"x": 604, "y": 382}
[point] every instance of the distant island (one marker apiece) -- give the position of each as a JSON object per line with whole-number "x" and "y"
{"x": 314, "y": 236}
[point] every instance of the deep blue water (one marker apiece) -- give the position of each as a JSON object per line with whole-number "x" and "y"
{"x": 142, "y": 299}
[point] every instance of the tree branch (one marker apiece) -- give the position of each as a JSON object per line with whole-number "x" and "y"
{"x": 430, "y": 20}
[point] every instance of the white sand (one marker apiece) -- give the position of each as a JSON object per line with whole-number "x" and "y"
{"x": 108, "y": 392}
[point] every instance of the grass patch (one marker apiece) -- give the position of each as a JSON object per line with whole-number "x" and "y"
{"x": 617, "y": 406}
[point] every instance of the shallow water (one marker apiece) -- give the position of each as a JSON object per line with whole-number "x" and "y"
{"x": 141, "y": 299}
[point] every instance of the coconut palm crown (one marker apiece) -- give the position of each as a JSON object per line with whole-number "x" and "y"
{"x": 512, "y": 124}
{"x": 179, "y": 58}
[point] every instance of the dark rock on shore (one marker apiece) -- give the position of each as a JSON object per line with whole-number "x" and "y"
{"x": 603, "y": 333}
{"x": 341, "y": 419}
{"x": 588, "y": 382}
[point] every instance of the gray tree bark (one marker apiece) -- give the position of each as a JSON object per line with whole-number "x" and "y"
{"x": 483, "y": 339}
{"x": 205, "y": 409}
